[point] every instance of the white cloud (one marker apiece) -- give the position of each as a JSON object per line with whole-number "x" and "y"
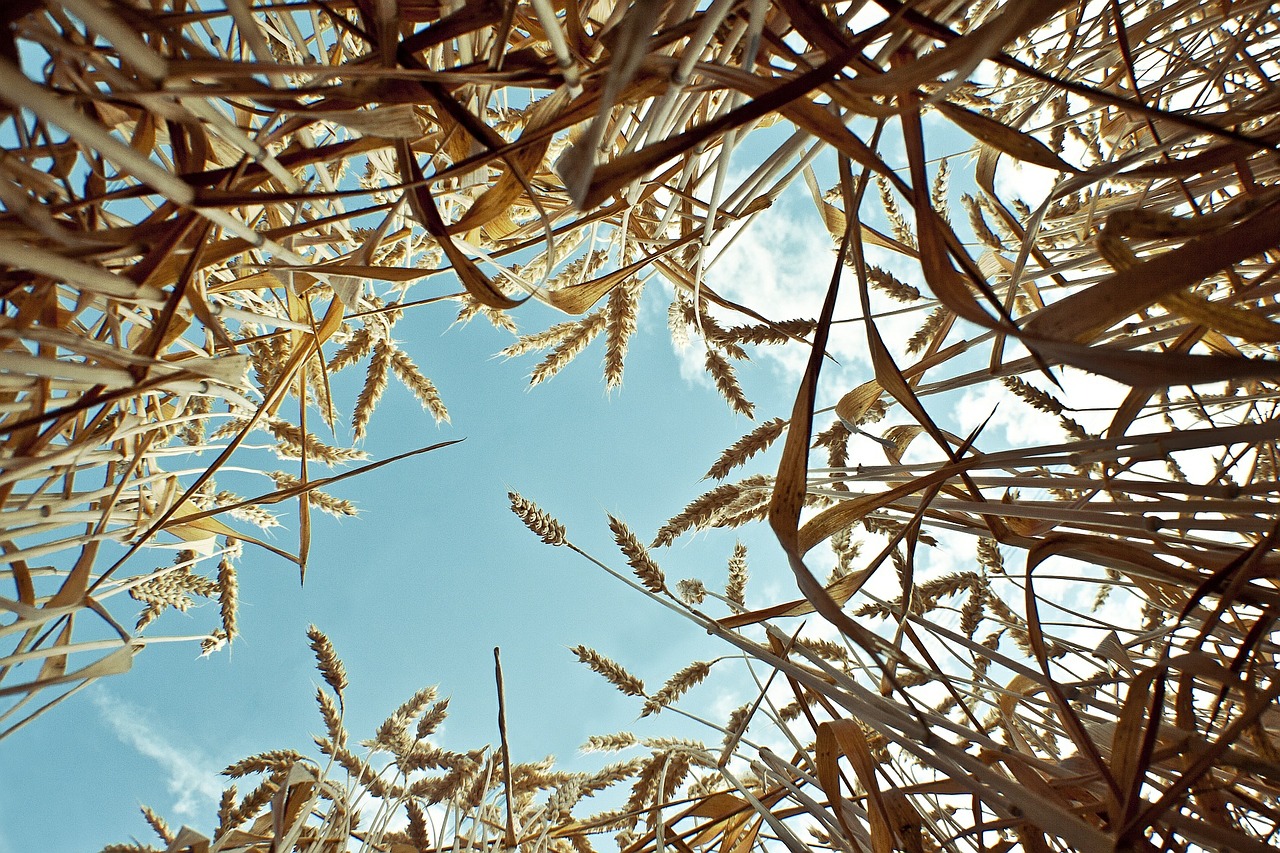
{"x": 1027, "y": 181}
{"x": 191, "y": 776}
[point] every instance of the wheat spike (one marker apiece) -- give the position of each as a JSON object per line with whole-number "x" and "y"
{"x": 756, "y": 441}
{"x": 938, "y": 192}
{"x": 331, "y": 668}
{"x": 638, "y": 558}
{"x": 418, "y": 835}
{"x": 497, "y": 318}
{"x": 897, "y": 222}
{"x": 551, "y": 531}
{"x": 392, "y": 734}
{"x": 926, "y": 333}
{"x": 727, "y": 383}
{"x": 776, "y": 333}
{"x": 323, "y": 500}
{"x": 612, "y": 671}
{"x": 251, "y": 513}
{"x": 587, "y": 328}
{"x": 263, "y": 762}
{"x": 357, "y": 347}
{"x": 691, "y": 591}
{"x": 548, "y": 337}
{"x": 422, "y": 387}
{"x": 735, "y": 587}
{"x": 978, "y": 222}
{"x": 609, "y": 743}
{"x": 620, "y": 325}
{"x": 699, "y": 512}
{"x": 989, "y": 555}
{"x": 158, "y": 824}
{"x": 1033, "y": 396}
{"x": 432, "y": 718}
{"x": 883, "y": 280}
{"x": 676, "y": 686}
{"x": 228, "y": 589}
{"x": 292, "y": 441}
{"x": 332, "y": 716}
{"x": 226, "y": 809}
{"x": 375, "y": 383}
{"x": 972, "y": 612}
{"x": 1073, "y": 428}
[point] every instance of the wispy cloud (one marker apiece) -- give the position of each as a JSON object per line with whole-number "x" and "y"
{"x": 190, "y": 775}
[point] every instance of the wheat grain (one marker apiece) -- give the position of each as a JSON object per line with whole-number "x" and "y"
{"x": 756, "y": 441}
{"x": 546, "y": 527}
{"x": 638, "y": 558}
{"x": 612, "y": 671}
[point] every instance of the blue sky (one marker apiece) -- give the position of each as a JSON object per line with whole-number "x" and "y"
{"x": 419, "y": 589}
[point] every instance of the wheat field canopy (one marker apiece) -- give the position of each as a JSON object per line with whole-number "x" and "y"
{"x": 212, "y": 209}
